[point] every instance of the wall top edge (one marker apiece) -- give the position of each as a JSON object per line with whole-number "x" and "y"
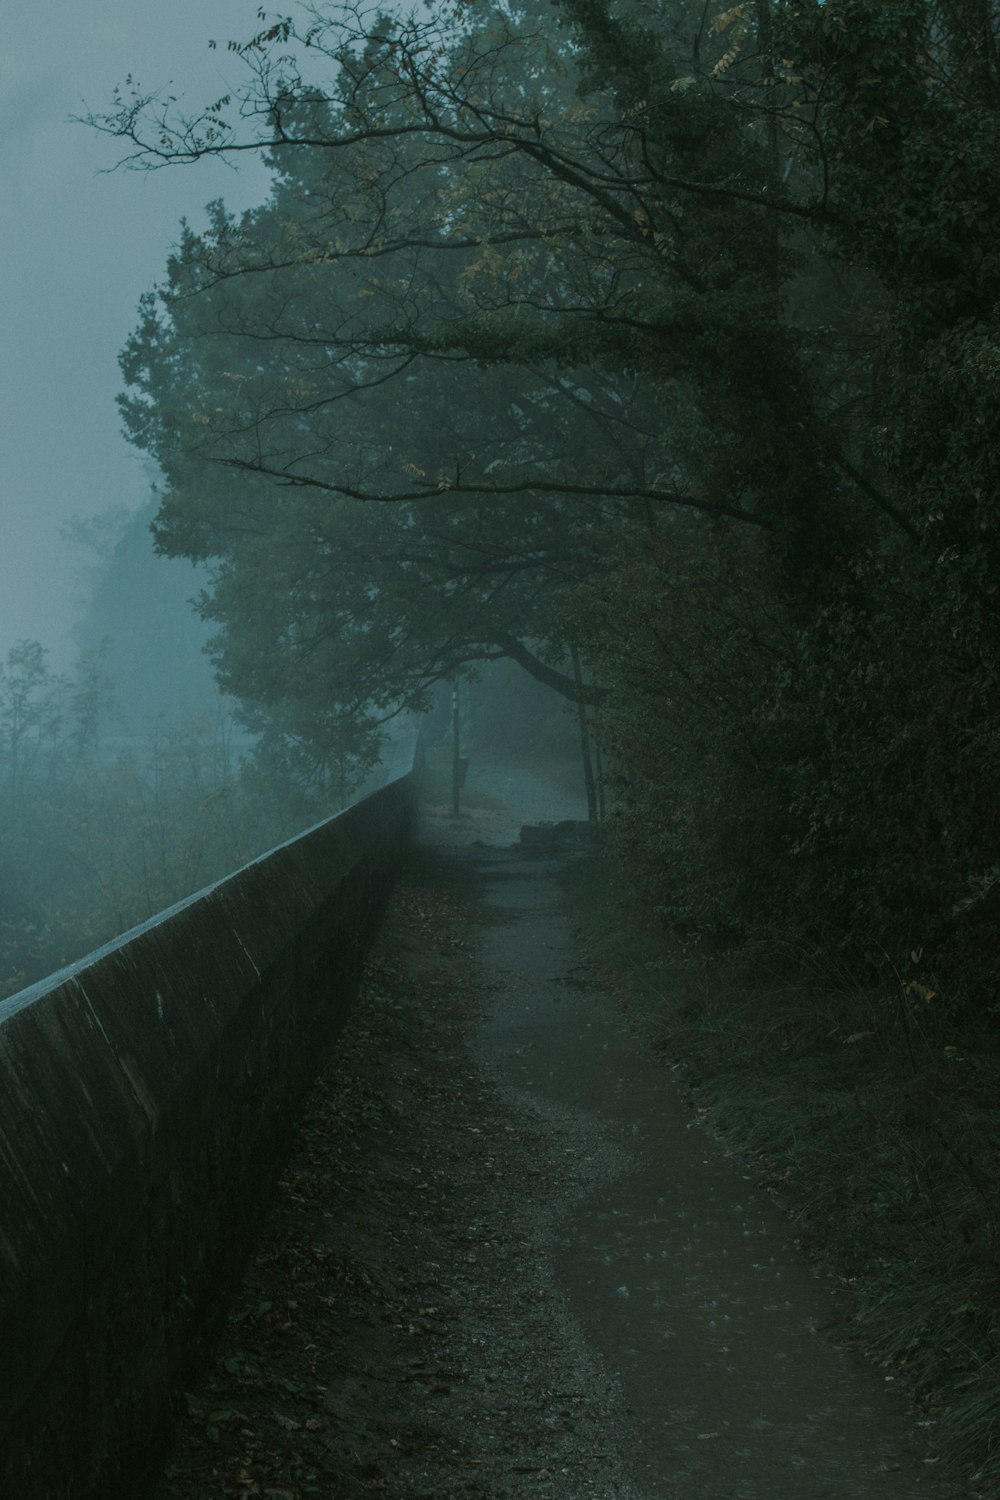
{"x": 399, "y": 769}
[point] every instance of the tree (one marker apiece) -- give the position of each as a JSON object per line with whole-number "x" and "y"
{"x": 761, "y": 239}
{"x": 511, "y": 313}
{"x": 456, "y": 188}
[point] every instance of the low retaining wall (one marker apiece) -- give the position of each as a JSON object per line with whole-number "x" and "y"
{"x": 146, "y": 1098}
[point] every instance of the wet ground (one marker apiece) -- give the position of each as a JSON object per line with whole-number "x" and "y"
{"x": 679, "y": 1275}
{"x": 506, "y": 1262}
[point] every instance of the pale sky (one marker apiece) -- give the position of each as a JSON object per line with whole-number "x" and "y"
{"x": 77, "y": 249}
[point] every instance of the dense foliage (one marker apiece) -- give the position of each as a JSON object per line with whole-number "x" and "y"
{"x": 665, "y": 333}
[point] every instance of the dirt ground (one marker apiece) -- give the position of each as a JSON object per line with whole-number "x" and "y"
{"x": 386, "y": 1336}
{"x": 504, "y": 1262}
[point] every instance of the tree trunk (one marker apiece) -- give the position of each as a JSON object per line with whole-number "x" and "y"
{"x": 602, "y": 809}
{"x": 585, "y": 749}
{"x": 456, "y": 751}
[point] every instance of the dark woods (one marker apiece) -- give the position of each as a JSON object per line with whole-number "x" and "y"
{"x": 666, "y": 333}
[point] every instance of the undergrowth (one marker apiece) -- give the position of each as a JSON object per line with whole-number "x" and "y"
{"x": 872, "y": 1113}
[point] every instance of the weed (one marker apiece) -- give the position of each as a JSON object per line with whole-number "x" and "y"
{"x": 870, "y": 1113}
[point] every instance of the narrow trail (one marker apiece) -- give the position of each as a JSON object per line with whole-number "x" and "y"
{"x": 678, "y": 1275}
{"x": 505, "y": 1262}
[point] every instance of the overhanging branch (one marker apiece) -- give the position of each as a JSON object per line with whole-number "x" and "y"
{"x": 558, "y": 681}
{"x": 534, "y": 487}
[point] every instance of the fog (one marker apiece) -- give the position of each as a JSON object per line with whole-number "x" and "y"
{"x": 79, "y": 245}
{"x": 124, "y": 776}
{"x": 616, "y": 390}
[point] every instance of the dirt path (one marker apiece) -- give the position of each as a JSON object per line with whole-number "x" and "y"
{"x": 503, "y": 1263}
{"x": 677, "y": 1274}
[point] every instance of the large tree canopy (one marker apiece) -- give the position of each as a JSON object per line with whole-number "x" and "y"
{"x": 665, "y": 332}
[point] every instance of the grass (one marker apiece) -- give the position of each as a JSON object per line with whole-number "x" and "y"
{"x": 874, "y": 1114}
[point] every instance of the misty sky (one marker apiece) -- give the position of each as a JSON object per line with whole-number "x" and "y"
{"x": 78, "y": 248}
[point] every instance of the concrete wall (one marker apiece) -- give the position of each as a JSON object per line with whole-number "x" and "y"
{"x": 146, "y": 1096}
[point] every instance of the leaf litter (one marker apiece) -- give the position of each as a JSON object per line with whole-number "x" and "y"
{"x": 393, "y": 1334}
